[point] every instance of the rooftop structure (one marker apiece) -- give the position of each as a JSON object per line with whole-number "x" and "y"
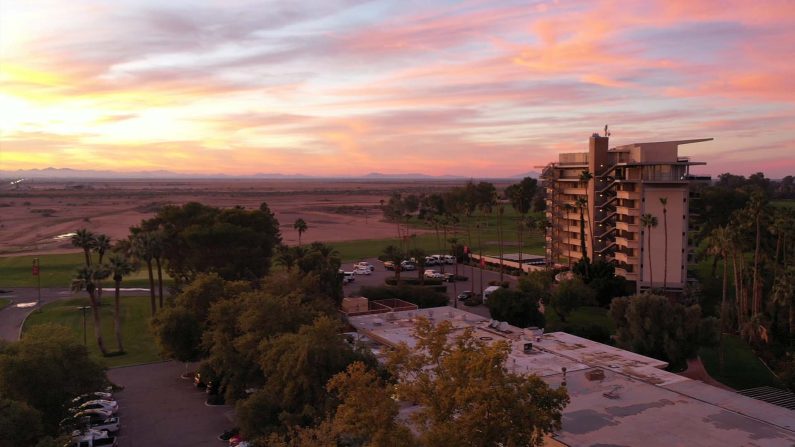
{"x": 621, "y": 185}
{"x": 617, "y": 397}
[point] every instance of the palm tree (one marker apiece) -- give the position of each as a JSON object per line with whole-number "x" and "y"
{"x": 142, "y": 249}
{"x": 286, "y": 257}
{"x": 582, "y": 204}
{"x": 85, "y": 279}
{"x": 85, "y": 240}
{"x": 649, "y": 221}
{"x": 719, "y": 241}
{"x": 394, "y": 255}
{"x": 157, "y": 247}
{"x": 784, "y": 295}
{"x": 300, "y": 226}
{"x": 664, "y": 202}
{"x": 101, "y": 246}
{"x": 500, "y": 212}
{"x": 586, "y": 177}
{"x": 419, "y": 256}
{"x": 756, "y": 208}
{"x": 118, "y": 267}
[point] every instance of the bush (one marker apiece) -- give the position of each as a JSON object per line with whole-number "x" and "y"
{"x": 516, "y": 307}
{"x": 421, "y": 296}
{"x": 569, "y": 295}
{"x": 413, "y": 282}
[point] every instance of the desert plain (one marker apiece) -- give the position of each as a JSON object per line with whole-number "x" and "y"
{"x": 36, "y": 216}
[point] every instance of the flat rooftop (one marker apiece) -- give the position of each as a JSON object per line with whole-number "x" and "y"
{"x": 635, "y": 402}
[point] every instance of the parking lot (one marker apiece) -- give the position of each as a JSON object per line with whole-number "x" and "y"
{"x": 380, "y": 274}
{"x": 157, "y": 408}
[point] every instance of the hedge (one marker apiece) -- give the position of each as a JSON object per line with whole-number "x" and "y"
{"x": 421, "y": 296}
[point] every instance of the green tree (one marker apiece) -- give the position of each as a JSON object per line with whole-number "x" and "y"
{"x": 287, "y": 257}
{"x": 46, "y": 369}
{"x": 649, "y": 221}
{"x": 300, "y": 226}
{"x": 118, "y": 267}
{"x": 86, "y": 240}
{"x": 178, "y": 333}
{"x": 582, "y": 205}
{"x": 784, "y": 295}
{"x": 585, "y": 178}
{"x": 757, "y": 210}
{"x": 86, "y": 279}
{"x": 569, "y": 295}
{"x": 490, "y": 405}
{"x": 664, "y": 203}
{"x": 518, "y": 307}
{"x": 654, "y": 326}
{"x": 20, "y": 424}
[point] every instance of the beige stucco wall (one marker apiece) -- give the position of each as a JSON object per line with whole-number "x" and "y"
{"x": 676, "y": 207}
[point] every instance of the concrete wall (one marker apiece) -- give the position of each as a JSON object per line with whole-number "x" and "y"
{"x": 677, "y": 258}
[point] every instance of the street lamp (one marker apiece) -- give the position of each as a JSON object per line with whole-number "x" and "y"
{"x": 84, "y": 308}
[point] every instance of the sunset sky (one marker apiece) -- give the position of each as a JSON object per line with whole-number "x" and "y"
{"x": 338, "y": 87}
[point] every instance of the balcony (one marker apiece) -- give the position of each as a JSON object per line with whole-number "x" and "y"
{"x": 628, "y": 211}
{"x": 629, "y": 243}
{"x": 575, "y": 191}
{"x": 628, "y": 195}
{"x": 625, "y": 258}
{"x": 625, "y": 226}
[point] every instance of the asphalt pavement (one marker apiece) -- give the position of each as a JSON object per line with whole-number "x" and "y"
{"x": 380, "y": 274}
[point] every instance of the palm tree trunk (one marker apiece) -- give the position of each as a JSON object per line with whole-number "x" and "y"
{"x": 757, "y": 298}
{"x": 582, "y": 244}
{"x": 665, "y": 255}
{"x": 499, "y": 236}
{"x": 117, "y": 318}
{"x": 88, "y": 256}
{"x": 152, "y": 301}
{"x": 737, "y": 295}
{"x": 723, "y": 311}
{"x": 648, "y": 251}
{"x": 97, "y": 325}
{"x": 159, "y": 281}
{"x": 522, "y": 221}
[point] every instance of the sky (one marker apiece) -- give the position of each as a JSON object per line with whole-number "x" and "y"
{"x": 347, "y": 87}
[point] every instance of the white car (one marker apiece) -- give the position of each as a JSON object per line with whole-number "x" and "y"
{"x": 448, "y": 259}
{"x": 361, "y": 271}
{"x": 104, "y": 414}
{"x": 107, "y": 405}
{"x": 364, "y": 265}
{"x": 433, "y": 274}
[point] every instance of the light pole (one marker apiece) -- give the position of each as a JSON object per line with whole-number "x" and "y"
{"x": 84, "y": 308}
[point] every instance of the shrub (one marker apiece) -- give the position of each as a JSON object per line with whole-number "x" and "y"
{"x": 413, "y": 282}
{"x": 516, "y": 307}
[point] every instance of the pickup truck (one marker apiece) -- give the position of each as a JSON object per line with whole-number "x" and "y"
{"x": 93, "y": 438}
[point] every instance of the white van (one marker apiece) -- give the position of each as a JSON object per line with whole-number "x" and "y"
{"x": 488, "y": 291}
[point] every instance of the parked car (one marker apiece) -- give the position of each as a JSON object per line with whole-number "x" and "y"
{"x": 93, "y": 438}
{"x": 237, "y": 441}
{"x": 111, "y": 424}
{"x": 408, "y": 266}
{"x": 364, "y": 265}
{"x": 433, "y": 274}
{"x": 92, "y": 396}
{"x": 362, "y": 271}
{"x": 347, "y": 277}
{"x": 430, "y": 260}
{"x": 465, "y": 295}
{"x": 488, "y": 291}
{"x": 109, "y": 405}
{"x": 449, "y": 259}
{"x": 97, "y": 412}
{"x": 389, "y": 265}
{"x": 227, "y": 435}
{"x": 197, "y": 381}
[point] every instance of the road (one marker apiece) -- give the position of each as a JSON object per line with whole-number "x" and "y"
{"x": 380, "y": 274}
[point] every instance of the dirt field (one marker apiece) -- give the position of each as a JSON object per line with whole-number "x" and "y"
{"x": 38, "y": 216}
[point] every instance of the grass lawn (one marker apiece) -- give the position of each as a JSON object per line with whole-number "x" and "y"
{"x": 741, "y": 370}
{"x": 784, "y": 203}
{"x": 4, "y": 302}
{"x": 56, "y": 271}
{"x": 138, "y": 342}
{"x": 581, "y": 317}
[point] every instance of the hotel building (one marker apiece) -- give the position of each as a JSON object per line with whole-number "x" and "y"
{"x": 620, "y": 185}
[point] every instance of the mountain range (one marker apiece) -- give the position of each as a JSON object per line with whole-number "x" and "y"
{"x": 68, "y": 173}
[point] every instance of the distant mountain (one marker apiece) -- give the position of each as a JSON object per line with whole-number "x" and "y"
{"x": 76, "y": 174}
{"x": 532, "y": 174}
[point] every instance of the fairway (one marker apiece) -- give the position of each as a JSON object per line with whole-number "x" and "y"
{"x": 56, "y": 271}
{"x": 138, "y": 342}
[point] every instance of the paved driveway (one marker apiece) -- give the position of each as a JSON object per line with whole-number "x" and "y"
{"x": 157, "y": 408}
